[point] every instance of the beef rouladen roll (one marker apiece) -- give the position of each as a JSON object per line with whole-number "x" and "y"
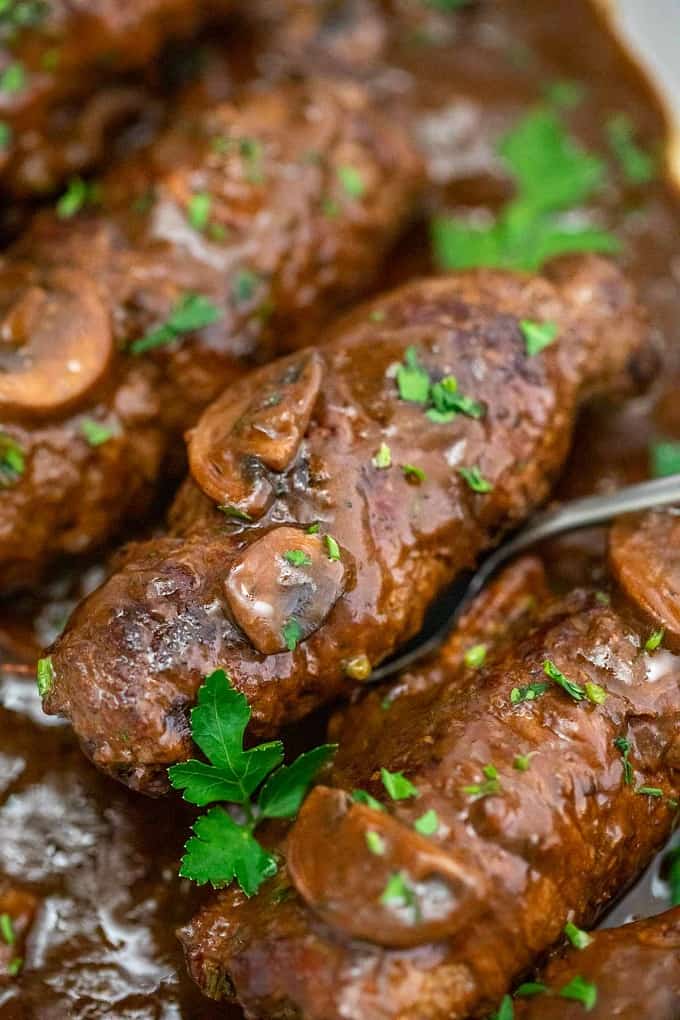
{"x": 469, "y": 815}
{"x": 627, "y": 973}
{"x": 70, "y": 72}
{"x": 332, "y": 495}
{"x": 243, "y": 227}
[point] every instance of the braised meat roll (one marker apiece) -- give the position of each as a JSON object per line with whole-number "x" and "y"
{"x": 332, "y": 495}
{"x": 239, "y": 230}
{"x": 531, "y": 790}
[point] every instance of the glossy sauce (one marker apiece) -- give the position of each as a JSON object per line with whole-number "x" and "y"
{"x": 104, "y": 861}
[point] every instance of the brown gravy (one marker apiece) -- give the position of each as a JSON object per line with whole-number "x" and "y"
{"x": 103, "y": 861}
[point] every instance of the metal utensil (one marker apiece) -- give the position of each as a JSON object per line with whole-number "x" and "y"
{"x": 580, "y": 513}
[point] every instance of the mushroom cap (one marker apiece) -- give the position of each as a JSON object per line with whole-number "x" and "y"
{"x": 338, "y": 876}
{"x": 56, "y": 344}
{"x": 644, "y": 553}
{"x": 266, "y": 591}
{"x": 254, "y": 428}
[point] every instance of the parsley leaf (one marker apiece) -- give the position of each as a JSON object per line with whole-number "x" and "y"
{"x": 529, "y": 693}
{"x": 297, "y": 558}
{"x": 573, "y": 689}
{"x": 77, "y": 195}
{"x": 12, "y": 461}
{"x": 292, "y": 633}
{"x": 579, "y": 939}
{"x": 332, "y": 548}
{"x": 198, "y": 210}
{"x": 352, "y": 181}
{"x": 412, "y": 379}
{"x": 655, "y": 639}
{"x": 537, "y": 335}
{"x": 490, "y": 786}
{"x": 7, "y": 930}
{"x": 665, "y": 458}
{"x": 580, "y": 990}
{"x": 671, "y": 864}
{"x": 397, "y": 785}
{"x": 428, "y": 823}
{"x": 506, "y": 1010}
{"x": 375, "y": 843}
{"x": 528, "y": 989}
{"x": 223, "y": 849}
{"x": 552, "y": 175}
{"x": 363, "y": 797}
{"x": 637, "y": 165}
{"x": 623, "y": 745}
{"x": 45, "y": 676}
{"x": 413, "y": 473}
{"x": 192, "y": 311}
{"x": 475, "y": 479}
{"x": 382, "y": 457}
{"x": 474, "y": 657}
{"x": 399, "y": 891}
{"x": 95, "y": 432}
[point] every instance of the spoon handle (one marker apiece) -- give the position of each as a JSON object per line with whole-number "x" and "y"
{"x": 579, "y": 513}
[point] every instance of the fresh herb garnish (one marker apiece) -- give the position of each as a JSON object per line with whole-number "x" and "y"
{"x": 537, "y": 335}
{"x": 78, "y": 194}
{"x": 382, "y": 457}
{"x": 314, "y": 528}
{"x": 13, "y": 78}
{"x": 244, "y": 285}
{"x": 363, "y": 797}
{"x": 7, "y": 929}
{"x": 637, "y": 165}
{"x": 595, "y": 693}
{"x": 198, "y": 210}
{"x": 506, "y": 1010}
{"x": 522, "y": 762}
{"x": 580, "y": 990}
{"x": 529, "y": 693}
{"x": 222, "y": 848}
{"x": 235, "y": 513}
{"x": 579, "y": 939}
{"x": 45, "y": 676}
{"x": 473, "y": 476}
{"x": 399, "y": 891}
{"x": 529, "y": 989}
{"x": 95, "y": 432}
{"x": 297, "y": 558}
{"x": 442, "y": 398}
{"x": 352, "y": 181}
{"x": 12, "y": 461}
{"x": 671, "y": 863}
{"x": 655, "y": 639}
{"x": 573, "y": 689}
{"x": 5, "y": 134}
{"x": 623, "y": 745}
{"x": 413, "y": 380}
{"x": 413, "y": 473}
{"x": 650, "y": 791}
{"x": 192, "y": 312}
{"x": 397, "y": 785}
{"x": 490, "y": 786}
{"x": 252, "y": 153}
{"x": 428, "y": 823}
{"x": 552, "y": 175}
{"x": 375, "y": 843}
{"x": 291, "y": 633}
{"x": 665, "y": 458}
{"x": 332, "y": 548}
{"x": 474, "y": 657}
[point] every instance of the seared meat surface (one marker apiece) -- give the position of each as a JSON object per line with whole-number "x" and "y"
{"x": 635, "y": 970}
{"x": 327, "y": 505}
{"x": 239, "y": 230}
{"x": 548, "y": 779}
{"x": 63, "y": 67}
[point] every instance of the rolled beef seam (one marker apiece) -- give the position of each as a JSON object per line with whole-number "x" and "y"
{"x": 332, "y": 496}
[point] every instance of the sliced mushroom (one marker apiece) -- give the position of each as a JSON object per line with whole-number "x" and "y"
{"x": 368, "y": 874}
{"x": 283, "y": 587}
{"x": 644, "y": 551}
{"x": 55, "y": 345}
{"x": 238, "y": 435}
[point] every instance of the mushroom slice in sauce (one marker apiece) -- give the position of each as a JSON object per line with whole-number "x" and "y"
{"x": 405, "y": 891}
{"x": 55, "y": 345}
{"x": 644, "y": 551}
{"x": 236, "y": 439}
{"x": 282, "y": 588}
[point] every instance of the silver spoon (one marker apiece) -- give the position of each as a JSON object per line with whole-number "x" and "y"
{"x": 580, "y": 513}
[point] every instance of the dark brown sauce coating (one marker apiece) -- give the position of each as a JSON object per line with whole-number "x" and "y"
{"x": 99, "y": 852}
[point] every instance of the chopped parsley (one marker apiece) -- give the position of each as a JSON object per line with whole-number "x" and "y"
{"x": 375, "y": 843}
{"x": 244, "y": 285}
{"x": 522, "y": 762}
{"x": 192, "y": 312}
{"x": 671, "y": 863}
{"x": 637, "y": 165}
{"x": 7, "y": 929}
{"x": 623, "y": 746}
{"x": 95, "y": 432}
{"x": 655, "y": 639}
{"x": 650, "y": 791}
{"x": 413, "y": 473}
{"x": 537, "y": 335}
{"x": 5, "y": 134}
{"x": 530, "y": 989}
{"x": 412, "y": 379}
{"x": 78, "y": 194}
{"x": 14, "y": 966}
{"x": 223, "y": 849}
{"x": 573, "y": 689}
{"x": 13, "y": 78}
{"x": 198, "y": 210}
{"x": 363, "y": 797}
{"x": 506, "y": 1010}
{"x": 45, "y": 676}
{"x": 490, "y": 786}
{"x": 529, "y": 693}
{"x": 552, "y": 175}
{"x": 399, "y": 892}
{"x": 382, "y": 457}
{"x": 297, "y": 558}
{"x": 427, "y": 824}
{"x": 332, "y": 548}
{"x": 352, "y": 181}
{"x": 12, "y": 461}
{"x": 595, "y": 693}
{"x": 442, "y": 398}
{"x": 474, "y": 656}
{"x": 291, "y": 633}
{"x": 235, "y": 513}
{"x": 476, "y": 481}
{"x": 665, "y": 458}
{"x": 580, "y": 990}
{"x": 579, "y": 939}
{"x": 397, "y": 785}
{"x": 314, "y": 528}
{"x": 252, "y": 153}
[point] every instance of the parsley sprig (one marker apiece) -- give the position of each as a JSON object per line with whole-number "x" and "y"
{"x": 192, "y": 311}
{"x": 553, "y": 175}
{"x": 223, "y": 847}
{"x": 442, "y": 399}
